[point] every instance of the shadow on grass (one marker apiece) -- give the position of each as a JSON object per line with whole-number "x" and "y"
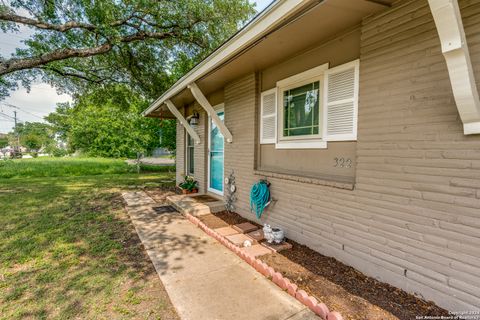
{"x": 67, "y": 247}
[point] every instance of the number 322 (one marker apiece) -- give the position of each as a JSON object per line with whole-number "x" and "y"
{"x": 343, "y": 163}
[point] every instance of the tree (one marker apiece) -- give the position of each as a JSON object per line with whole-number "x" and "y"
{"x": 145, "y": 44}
{"x": 107, "y": 122}
{"x": 34, "y": 135}
{"x": 168, "y": 135}
{"x": 33, "y": 142}
{"x": 3, "y": 141}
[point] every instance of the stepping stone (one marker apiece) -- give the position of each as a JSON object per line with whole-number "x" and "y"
{"x": 245, "y": 227}
{"x": 257, "y": 235}
{"x": 277, "y": 247}
{"x": 257, "y": 250}
{"x": 226, "y": 231}
{"x": 239, "y": 238}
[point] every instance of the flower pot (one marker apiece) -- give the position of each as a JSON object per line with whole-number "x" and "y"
{"x": 185, "y": 191}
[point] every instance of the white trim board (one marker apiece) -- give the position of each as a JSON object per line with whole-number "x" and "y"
{"x": 448, "y": 22}
{"x": 217, "y": 108}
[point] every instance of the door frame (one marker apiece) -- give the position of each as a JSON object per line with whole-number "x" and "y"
{"x": 218, "y": 108}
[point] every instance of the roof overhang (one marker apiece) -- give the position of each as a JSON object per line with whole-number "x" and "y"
{"x": 263, "y": 42}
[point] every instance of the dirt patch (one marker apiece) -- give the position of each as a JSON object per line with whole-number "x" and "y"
{"x": 232, "y": 218}
{"x": 213, "y": 221}
{"x": 204, "y": 198}
{"x": 340, "y": 287}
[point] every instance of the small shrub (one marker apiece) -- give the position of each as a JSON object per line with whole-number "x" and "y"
{"x": 59, "y": 152}
{"x": 189, "y": 183}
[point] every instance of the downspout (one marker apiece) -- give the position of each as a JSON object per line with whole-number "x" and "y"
{"x": 448, "y": 20}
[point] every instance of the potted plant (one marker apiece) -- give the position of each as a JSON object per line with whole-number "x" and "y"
{"x": 189, "y": 185}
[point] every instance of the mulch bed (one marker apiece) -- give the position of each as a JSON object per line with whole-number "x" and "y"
{"x": 340, "y": 287}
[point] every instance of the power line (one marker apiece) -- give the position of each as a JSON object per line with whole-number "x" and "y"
{"x": 6, "y": 116}
{"x": 21, "y": 109}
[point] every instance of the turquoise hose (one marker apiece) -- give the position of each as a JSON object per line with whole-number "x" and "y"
{"x": 259, "y": 198}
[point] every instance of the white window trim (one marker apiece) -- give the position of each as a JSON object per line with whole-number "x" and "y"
{"x": 186, "y": 155}
{"x": 307, "y": 141}
{"x": 274, "y": 139}
{"x": 218, "y": 108}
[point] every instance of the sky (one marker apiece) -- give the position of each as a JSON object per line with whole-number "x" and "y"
{"x": 42, "y": 98}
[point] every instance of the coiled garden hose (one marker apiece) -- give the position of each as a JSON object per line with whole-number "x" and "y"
{"x": 259, "y": 197}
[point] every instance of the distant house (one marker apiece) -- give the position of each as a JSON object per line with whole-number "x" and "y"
{"x": 365, "y": 118}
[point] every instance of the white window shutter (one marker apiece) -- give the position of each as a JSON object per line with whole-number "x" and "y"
{"x": 341, "y": 102}
{"x": 268, "y": 116}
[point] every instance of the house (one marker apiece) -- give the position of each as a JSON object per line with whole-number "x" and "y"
{"x": 365, "y": 118}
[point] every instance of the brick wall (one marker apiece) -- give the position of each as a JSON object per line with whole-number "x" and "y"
{"x": 240, "y": 104}
{"x": 413, "y": 219}
{"x": 200, "y": 151}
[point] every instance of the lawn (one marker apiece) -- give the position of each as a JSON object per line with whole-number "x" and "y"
{"x": 56, "y": 167}
{"x": 67, "y": 247}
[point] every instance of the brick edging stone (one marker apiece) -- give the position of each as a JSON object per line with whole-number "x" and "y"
{"x": 284, "y": 283}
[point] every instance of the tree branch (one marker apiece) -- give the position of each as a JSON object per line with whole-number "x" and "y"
{"x": 45, "y": 25}
{"x": 73, "y": 75}
{"x": 16, "y": 64}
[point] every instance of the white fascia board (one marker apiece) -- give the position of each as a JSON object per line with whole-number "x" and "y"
{"x": 448, "y": 22}
{"x": 246, "y": 36}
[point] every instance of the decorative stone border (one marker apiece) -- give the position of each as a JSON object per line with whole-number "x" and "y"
{"x": 284, "y": 283}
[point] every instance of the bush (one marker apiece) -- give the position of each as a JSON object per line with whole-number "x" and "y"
{"x": 59, "y": 152}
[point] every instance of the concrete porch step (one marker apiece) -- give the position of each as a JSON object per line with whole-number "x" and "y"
{"x": 189, "y": 204}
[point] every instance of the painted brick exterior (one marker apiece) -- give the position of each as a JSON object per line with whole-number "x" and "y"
{"x": 413, "y": 219}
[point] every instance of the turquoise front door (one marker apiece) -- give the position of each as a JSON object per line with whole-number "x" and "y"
{"x": 215, "y": 155}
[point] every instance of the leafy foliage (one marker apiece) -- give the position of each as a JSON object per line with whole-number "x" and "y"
{"x": 107, "y": 123}
{"x": 3, "y": 141}
{"x": 34, "y": 135}
{"x": 168, "y": 134}
{"x": 146, "y": 44}
{"x": 189, "y": 183}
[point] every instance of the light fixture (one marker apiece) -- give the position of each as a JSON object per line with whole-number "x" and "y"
{"x": 193, "y": 119}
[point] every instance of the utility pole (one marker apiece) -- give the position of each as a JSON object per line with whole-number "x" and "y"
{"x": 16, "y": 132}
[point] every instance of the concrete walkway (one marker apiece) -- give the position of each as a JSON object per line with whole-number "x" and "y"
{"x": 204, "y": 279}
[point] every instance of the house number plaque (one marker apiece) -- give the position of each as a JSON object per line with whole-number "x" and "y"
{"x": 342, "y": 162}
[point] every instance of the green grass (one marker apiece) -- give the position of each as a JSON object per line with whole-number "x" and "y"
{"x": 59, "y": 167}
{"x": 67, "y": 247}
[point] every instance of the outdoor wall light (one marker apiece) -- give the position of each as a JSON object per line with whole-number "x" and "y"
{"x": 194, "y": 118}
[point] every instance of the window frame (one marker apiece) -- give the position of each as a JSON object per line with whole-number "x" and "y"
{"x": 187, "y": 158}
{"x": 304, "y": 141}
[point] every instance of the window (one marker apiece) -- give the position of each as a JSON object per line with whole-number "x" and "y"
{"x": 314, "y": 107}
{"x": 301, "y": 112}
{"x": 300, "y": 115}
{"x": 190, "y": 155}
